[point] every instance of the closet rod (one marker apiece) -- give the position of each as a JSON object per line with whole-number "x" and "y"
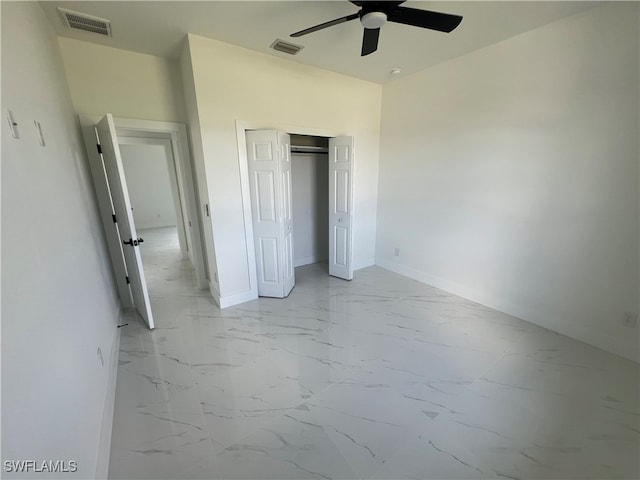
{"x": 308, "y": 149}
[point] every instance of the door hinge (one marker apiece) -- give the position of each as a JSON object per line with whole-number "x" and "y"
{"x": 113, "y": 216}
{"x": 127, "y": 279}
{"x": 99, "y": 147}
{"x": 206, "y": 209}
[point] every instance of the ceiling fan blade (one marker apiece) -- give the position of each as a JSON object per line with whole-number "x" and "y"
{"x": 370, "y": 41}
{"x": 377, "y": 5}
{"x": 443, "y": 22}
{"x": 328, "y": 24}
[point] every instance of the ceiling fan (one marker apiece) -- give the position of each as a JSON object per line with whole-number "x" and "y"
{"x": 374, "y": 15}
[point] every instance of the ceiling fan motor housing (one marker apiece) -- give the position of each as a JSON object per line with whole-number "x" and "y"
{"x": 373, "y": 20}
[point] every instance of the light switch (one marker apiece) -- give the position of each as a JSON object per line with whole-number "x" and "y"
{"x": 13, "y": 125}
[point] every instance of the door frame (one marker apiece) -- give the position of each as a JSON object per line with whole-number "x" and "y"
{"x": 245, "y": 187}
{"x": 176, "y": 133}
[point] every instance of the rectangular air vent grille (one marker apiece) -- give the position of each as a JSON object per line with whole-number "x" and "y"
{"x": 285, "y": 47}
{"x": 88, "y": 23}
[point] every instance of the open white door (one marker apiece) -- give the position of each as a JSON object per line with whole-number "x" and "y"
{"x": 284, "y": 143}
{"x": 340, "y": 207}
{"x": 124, "y": 216}
{"x": 269, "y": 162}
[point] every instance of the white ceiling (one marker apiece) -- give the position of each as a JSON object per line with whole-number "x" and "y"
{"x": 159, "y": 27}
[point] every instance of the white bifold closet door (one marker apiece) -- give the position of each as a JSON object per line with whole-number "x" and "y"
{"x": 269, "y": 162}
{"x": 114, "y": 172}
{"x": 341, "y": 207}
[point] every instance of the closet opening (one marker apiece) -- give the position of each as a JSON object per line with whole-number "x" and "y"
{"x": 310, "y": 199}
{"x": 298, "y": 204}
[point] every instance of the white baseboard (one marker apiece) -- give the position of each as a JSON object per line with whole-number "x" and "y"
{"x": 299, "y": 262}
{"x": 104, "y": 445}
{"x": 237, "y": 299}
{"x": 626, "y": 348}
{"x": 366, "y": 263}
{"x": 214, "y": 293}
{"x": 231, "y": 300}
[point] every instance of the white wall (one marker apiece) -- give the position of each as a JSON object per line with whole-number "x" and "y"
{"x": 231, "y": 83}
{"x": 310, "y": 198}
{"x": 149, "y": 185}
{"x": 510, "y": 176}
{"x": 126, "y": 84}
{"x": 59, "y": 303}
{"x": 202, "y": 189}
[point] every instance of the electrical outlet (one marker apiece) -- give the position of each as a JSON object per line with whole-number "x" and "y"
{"x": 396, "y": 252}
{"x": 630, "y": 319}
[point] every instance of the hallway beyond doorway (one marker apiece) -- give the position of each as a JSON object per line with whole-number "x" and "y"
{"x": 167, "y": 272}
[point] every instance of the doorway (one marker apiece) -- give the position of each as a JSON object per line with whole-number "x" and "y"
{"x": 159, "y": 171}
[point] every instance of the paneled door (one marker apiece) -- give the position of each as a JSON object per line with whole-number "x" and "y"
{"x": 269, "y": 165}
{"x": 340, "y": 207}
{"x": 114, "y": 170}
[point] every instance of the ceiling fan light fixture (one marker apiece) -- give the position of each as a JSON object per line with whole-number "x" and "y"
{"x": 373, "y": 20}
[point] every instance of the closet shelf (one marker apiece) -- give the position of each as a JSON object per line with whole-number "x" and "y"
{"x": 308, "y": 149}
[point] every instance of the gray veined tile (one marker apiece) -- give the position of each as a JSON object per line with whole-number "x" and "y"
{"x": 434, "y": 454}
{"x": 382, "y": 377}
{"x": 368, "y": 425}
{"x": 537, "y": 434}
{"x": 218, "y": 347}
{"x": 314, "y": 371}
{"x": 549, "y": 362}
{"x": 170, "y": 311}
{"x": 429, "y": 385}
{"x": 158, "y": 442}
{"x": 333, "y": 347}
{"x": 293, "y": 447}
{"x": 236, "y": 402}
{"x": 155, "y": 379}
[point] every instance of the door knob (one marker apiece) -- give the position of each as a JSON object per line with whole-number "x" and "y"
{"x": 133, "y": 243}
{"x": 340, "y": 220}
{"x": 140, "y": 240}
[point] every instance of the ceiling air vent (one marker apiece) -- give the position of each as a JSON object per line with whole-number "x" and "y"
{"x": 285, "y": 47}
{"x": 88, "y": 23}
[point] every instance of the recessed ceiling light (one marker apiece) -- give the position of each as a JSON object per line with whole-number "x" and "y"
{"x": 396, "y": 71}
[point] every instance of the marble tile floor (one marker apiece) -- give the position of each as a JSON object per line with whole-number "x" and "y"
{"x": 378, "y": 378}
